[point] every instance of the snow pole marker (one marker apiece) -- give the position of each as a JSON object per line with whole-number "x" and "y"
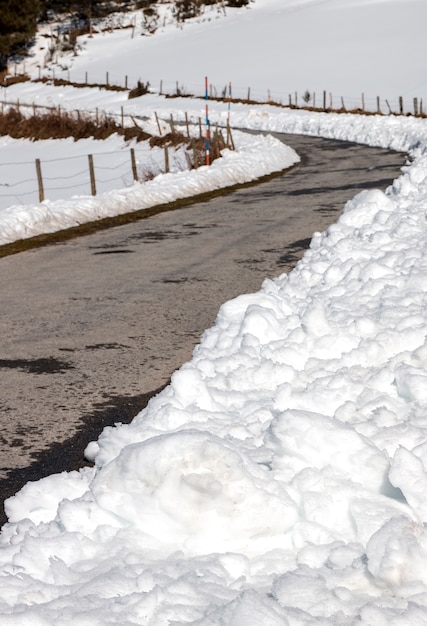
{"x": 207, "y": 143}
{"x": 228, "y": 113}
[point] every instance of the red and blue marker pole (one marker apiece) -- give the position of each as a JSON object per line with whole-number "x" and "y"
{"x": 208, "y": 159}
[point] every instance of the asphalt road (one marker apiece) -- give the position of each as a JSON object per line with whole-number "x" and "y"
{"x": 91, "y": 328}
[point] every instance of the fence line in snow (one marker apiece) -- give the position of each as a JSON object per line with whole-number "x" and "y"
{"x": 324, "y": 101}
{"x": 129, "y": 171}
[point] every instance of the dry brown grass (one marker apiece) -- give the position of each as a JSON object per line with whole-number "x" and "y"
{"x": 6, "y": 80}
{"x": 59, "y": 125}
{"x": 60, "y": 82}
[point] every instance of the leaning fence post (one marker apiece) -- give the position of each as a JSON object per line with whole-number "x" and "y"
{"x": 158, "y": 123}
{"x": 133, "y": 161}
{"x": 166, "y": 159}
{"x": 92, "y": 175}
{"x": 40, "y": 180}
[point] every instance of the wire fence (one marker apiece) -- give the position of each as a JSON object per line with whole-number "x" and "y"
{"x": 90, "y": 166}
{"x": 312, "y": 100}
{"x": 32, "y": 181}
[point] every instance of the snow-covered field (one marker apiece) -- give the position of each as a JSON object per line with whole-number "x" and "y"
{"x": 281, "y": 479}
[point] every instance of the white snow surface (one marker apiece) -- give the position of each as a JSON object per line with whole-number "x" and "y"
{"x": 281, "y": 478}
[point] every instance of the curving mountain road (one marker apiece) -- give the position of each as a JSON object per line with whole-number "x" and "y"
{"x": 91, "y": 328}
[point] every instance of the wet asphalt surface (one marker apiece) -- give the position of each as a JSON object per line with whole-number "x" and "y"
{"x": 93, "y": 327}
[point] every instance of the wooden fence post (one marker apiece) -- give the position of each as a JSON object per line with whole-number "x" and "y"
{"x": 106, "y": 79}
{"x": 324, "y": 100}
{"x": 187, "y": 124}
{"x": 416, "y": 106}
{"x": 233, "y": 147}
{"x": 122, "y": 117}
{"x": 389, "y": 107}
{"x": 172, "y": 124}
{"x": 158, "y": 123}
{"x": 195, "y": 159}
{"x": 401, "y": 105}
{"x": 40, "y": 180}
{"x": 92, "y": 175}
{"x": 166, "y": 159}
{"x": 363, "y": 101}
{"x": 378, "y": 105}
{"x": 133, "y": 161}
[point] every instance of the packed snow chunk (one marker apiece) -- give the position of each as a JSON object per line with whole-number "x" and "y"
{"x": 251, "y": 608}
{"x": 304, "y": 439}
{"x": 314, "y": 320}
{"x": 91, "y": 451}
{"x": 38, "y": 501}
{"x": 306, "y": 591}
{"x": 409, "y": 474}
{"x": 364, "y": 208}
{"x": 190, "y": 491}
{"x": 397, "y": 553}
{"x": 411, "y": 383}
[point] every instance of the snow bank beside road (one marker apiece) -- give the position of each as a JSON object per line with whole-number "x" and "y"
{"x": 255, "y": 156}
